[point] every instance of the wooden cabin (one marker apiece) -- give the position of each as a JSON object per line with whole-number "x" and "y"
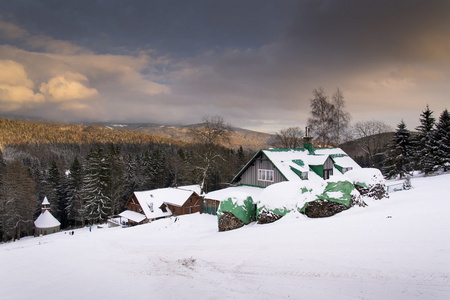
{"x": 147, "y": 206}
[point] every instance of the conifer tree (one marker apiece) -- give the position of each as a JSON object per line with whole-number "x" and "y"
{"x": 399, "y": 153}
{"x": 57, "y": 191}
{"x": 75, "y": 201}
{"x": 114, "y": 177}
{"x": 17, "y": 201}
{"x": 97, "y": 203}
{"x": 442, "y": 141}
{"x": 424, "y": 155}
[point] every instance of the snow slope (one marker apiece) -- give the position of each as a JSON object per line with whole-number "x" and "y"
{"x": 398, "y": 248}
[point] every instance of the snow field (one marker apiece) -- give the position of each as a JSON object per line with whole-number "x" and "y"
{"x": 396, "y": 248}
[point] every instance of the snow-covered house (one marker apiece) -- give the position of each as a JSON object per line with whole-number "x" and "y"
{"x": 271, "y": 166}
{"x": 309, "y": 167}
{"x": 147, "y": 206}
{"x": 46, "y": 223}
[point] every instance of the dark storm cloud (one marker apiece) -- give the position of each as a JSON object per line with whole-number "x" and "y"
{"x": 253, "y": 62}
{"x": 176, "y": 27}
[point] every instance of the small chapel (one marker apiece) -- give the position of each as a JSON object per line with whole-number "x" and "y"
{"x": 46, "y": 223}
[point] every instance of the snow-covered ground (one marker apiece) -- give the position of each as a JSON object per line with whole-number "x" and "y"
{"x": 397, "y": 248}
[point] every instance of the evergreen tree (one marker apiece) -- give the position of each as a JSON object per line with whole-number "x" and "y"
{"x": 57, "y": 193}
{"x": 95, "y": 182}
{"x": 399, "y": 153}
{"x": 441, "y": 145}
{"x": 158, "y": 167}
{"x": 17, "y": 201}
{"x": 424, "y": 156}
{"x": 75, "y": 201}
{"x": 114, "y": 177}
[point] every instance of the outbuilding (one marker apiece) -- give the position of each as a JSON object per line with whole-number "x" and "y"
{"x": 46, "y": 223}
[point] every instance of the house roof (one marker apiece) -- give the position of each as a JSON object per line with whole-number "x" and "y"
{"x": 291, "y": 162}
{"x": 46, "y": 220}
{"x": 243, "y": 191}
{"x": 155, "y": 199}
{"x": 151, "y": 203}
{"x": 133, "y": 216}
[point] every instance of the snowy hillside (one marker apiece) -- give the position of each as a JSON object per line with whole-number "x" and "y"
{"x": 397, "y": 248}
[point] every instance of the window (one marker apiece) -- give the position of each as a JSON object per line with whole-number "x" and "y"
{"x": 327, "y": 173}
{"x": 344, "y": 170}
{"x": 265, "y": 175}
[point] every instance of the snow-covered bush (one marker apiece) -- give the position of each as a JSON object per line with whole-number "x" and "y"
{"x": 369, "y": 182}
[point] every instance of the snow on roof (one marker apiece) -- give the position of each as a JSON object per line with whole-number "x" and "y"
{"x": 195, "y": 188}
{"x": 45, "y": 202}
{"x": 151, "y": 203}
{"x": 133, "y": 216}
{"x": 46, "y": 220}
{"x": 241, "y": 192}
{"x": 285, "y": 160}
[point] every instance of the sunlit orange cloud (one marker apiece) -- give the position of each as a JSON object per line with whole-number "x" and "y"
{"x": 67, "y": 75}
{"x": 16, "y": 89}
{"x": 67, "y": 87}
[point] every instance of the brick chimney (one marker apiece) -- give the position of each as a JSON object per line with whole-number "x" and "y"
{"x": 307, "y": 140}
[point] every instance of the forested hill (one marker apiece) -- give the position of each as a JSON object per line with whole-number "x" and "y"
{"x": 248, "y": 139}
{"x": 13, "y": 132}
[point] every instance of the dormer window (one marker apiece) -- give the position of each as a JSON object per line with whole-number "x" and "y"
{"x": 344, "y": 170}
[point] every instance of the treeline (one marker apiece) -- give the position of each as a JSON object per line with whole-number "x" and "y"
{"x": 25, "y": 132}
{"x": 85, "y": 183}
{"x": 427, "y": 150}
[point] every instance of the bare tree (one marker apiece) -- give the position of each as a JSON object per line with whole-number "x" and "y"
{"x": 370, "y": 138}
{"x": 341, "y": 118}
{"x": 209, "y": 136}
{"x": 289, "y": 137}
{"x": 322, "y": 113}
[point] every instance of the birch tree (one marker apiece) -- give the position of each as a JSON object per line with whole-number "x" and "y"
{"x": 209, "y": 137}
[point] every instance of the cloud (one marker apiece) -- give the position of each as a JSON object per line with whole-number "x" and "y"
{"x": 73, "y": 78}
{"x": 67, "y": 88}
{"x": 11, "y": 31}
{"x": 16, "y": 89}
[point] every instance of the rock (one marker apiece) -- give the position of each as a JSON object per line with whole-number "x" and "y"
{"x": 265, "y": 217}
{"x": 229, "y": 222}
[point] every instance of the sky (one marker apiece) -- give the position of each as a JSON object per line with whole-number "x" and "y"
{"x": 255, "y": 62}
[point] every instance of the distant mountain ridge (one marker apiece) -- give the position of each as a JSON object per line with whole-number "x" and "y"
{"x": 15, "y": 132}
{"x": 22, "y": 132}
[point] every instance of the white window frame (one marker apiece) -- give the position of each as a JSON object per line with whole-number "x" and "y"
{"x": 265, "y": 175}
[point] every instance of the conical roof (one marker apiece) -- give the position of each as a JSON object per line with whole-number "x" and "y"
{"x": 45, "y": 202}
{"x": 46, "y": 220}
